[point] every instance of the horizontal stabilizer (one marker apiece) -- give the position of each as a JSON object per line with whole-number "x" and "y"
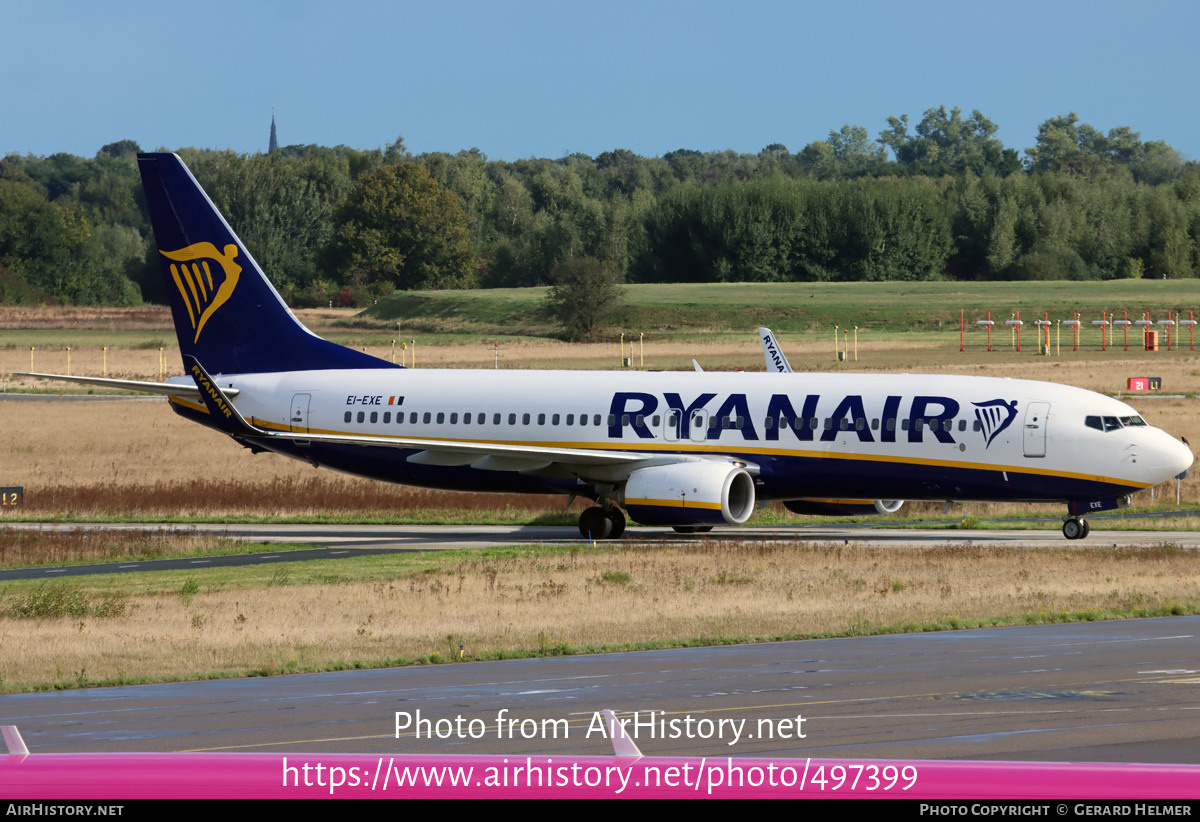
{"x": 169, "y": 389}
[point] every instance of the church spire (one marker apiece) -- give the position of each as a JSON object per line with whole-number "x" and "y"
{"x": 274, "y": 146}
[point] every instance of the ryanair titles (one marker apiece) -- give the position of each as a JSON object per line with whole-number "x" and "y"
{"x": 205, "y": 385}
{"x": 808, "y": 419}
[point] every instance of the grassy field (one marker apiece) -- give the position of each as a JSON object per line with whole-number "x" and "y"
{"x": 685, "y": 311}
{"x": 414, "y": 608}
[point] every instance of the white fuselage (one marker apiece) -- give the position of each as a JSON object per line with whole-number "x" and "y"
{"x": 884, "y": 436}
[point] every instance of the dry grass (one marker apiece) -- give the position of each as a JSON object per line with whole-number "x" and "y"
{"x": 30, "y": 548}
{"x": 137, "y": 458}
{"x": 546, "y": 602}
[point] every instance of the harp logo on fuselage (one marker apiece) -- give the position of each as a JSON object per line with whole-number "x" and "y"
{"x": 994, "y": 416}
{"x": 193, "y": 276}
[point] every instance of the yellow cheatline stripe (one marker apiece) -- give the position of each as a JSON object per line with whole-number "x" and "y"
{"x": 674, "y": 503}
{"x": 729, "y": 451}
{"x": 188, "y": 404}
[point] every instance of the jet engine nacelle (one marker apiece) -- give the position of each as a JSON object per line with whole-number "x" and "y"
{"x": 843, "y": 507}
{"x": 690, "y": 493}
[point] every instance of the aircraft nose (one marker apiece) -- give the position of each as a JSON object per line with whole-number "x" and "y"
{"x": 1174, "y": 456}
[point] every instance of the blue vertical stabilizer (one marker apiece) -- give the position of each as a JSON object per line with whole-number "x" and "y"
{"x": 227, "y": 314}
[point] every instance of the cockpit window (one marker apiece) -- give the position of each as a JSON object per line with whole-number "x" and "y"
{"x": 1112, "y": 423}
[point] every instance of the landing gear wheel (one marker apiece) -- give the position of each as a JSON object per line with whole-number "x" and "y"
{"x": 691, "y": 529}
{"x": 618, "y": 522}
{"x": 1075, "y": 528}
{"x": 595, "y": 524}
{"x": 1087, "y": 529}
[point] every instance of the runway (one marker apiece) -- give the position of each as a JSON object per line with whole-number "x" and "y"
{"x": 341, "y": 540}
{"x": 1116, "y": 691}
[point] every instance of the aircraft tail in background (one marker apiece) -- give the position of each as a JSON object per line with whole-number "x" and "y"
{"x": 776, "y": 361}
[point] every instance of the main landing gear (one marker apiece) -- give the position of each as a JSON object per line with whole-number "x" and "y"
{"x": 1076, "y": 528}
{"x": 605, "y": 522}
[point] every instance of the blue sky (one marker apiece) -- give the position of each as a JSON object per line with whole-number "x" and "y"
{"x": 534, "y": 78}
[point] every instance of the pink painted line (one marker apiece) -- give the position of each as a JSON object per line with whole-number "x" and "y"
{"x": 299, "y": 776}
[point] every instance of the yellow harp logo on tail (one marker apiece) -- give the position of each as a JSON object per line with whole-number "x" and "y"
{"x": 194, "y": 279}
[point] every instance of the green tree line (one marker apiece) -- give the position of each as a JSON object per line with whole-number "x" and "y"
{"x": 941, "y": 199}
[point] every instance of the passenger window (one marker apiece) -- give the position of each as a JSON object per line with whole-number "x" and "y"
{"x": 657, "y": 421}
{"x": 875, "y": 424}
{"x": 962, "y": 425}
{"x": 541, "y": 419}
{"x": 362, "y": 416}
{"x": 612, "y": 419}
{"x": 374, "y": 416}
{"x": 441, "y": 417}
{"x": 860, "y": 424}
{"x": 348, "y": 417}
{"x": 829, "y": 423}
{"x": 426, "y": 418}
{"x": 641, "y": 420}
{"x": 554, "y": 420}
{"x": 387, "y": 416}
{"x": 467, "y": 418}
{"x": 495, "y": 419}
{"x": 454, "y": 418}
{"x": 412, "y": 418}
{"x": 570, "y": 419}
{"x": 525, "y": 419}
{"x": 769, "y": 423}
{"x": 512, "y": 419}
{"x": 624, "y": 420}
{"x": 903, "y": 425}
{"x": 891, "y": 424}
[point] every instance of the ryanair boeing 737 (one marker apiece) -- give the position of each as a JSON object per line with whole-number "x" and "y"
{"x": 688, "y": 450}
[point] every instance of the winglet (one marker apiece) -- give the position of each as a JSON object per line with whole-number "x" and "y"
{"x": 219, "y": 407}
{"x": 13, "y": 740}
{"x": 776, "y": 361}
{"x": 622, "y": 744}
